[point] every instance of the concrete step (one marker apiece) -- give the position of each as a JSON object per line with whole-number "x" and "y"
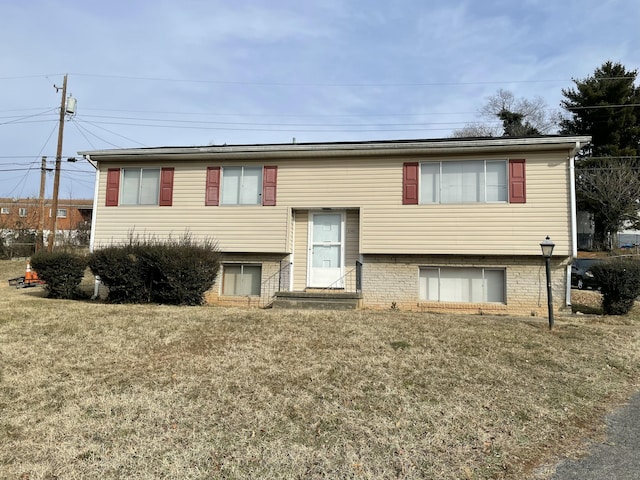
{"x": 317, "y": 300}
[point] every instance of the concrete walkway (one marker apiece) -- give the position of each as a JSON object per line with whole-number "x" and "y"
{"x": 616, "y": 459}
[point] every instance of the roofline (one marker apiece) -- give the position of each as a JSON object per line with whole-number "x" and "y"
{"x": 451, "y": 145}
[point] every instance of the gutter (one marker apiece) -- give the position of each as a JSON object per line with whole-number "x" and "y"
{"x": 574, "y": 219}
{"x": 301, "y": 150}
{"x": 95, "y": 204}
{"x": 96, "y": 285}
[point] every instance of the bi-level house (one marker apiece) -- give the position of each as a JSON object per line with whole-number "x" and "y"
{"x": 447, "y": 224}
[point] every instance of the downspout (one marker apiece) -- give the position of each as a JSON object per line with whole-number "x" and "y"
{"x": 574, "y": 220}
{"x": 96, "y": 285}
{"x": 292, "y": 257}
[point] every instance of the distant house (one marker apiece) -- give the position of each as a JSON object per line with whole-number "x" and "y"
{"x": 439, "y": 225}
{"x": 25, "y": 215}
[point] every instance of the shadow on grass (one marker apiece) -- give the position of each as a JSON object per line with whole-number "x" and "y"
{"x": 587, "y": 309}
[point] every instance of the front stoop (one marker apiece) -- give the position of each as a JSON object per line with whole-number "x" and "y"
{"x": 317, "y": 300}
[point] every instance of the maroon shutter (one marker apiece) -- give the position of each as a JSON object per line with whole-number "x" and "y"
{"x": 269, "y": 183}
{"x": 113, "y": 187}
{"x": 517, "y": 182}
{"x": 410, "y": 184}
{"x": 166, "y": 187}
{"x": 212, "y": 192}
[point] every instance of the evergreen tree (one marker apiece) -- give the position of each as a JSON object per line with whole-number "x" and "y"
{"x": 606, "y": 106}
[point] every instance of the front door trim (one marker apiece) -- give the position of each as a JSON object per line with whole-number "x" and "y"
{"x": 321, "y": 277}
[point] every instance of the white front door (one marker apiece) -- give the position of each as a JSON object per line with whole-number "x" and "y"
{"x": 326, "y": 250}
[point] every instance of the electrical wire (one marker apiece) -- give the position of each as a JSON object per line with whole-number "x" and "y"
{"x": 315, "y": 84}
{"x": 109, "y": 131}
{"x": 19, "y": 119}
{"x": 23, "y": 182}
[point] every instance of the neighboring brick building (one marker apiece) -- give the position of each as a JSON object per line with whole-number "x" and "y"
{"x": 24, "y": 215}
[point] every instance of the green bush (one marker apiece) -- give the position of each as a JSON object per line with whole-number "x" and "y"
{"x": 120, "y": 269}
{"x": 620, "y": 284}
{"x": 176, "y": 272}
{"x": 61, "y": 271}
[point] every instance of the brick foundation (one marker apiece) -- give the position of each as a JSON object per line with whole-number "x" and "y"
{"x": 393, "y": 282}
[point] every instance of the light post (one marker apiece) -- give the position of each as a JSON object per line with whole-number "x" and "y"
{"x": 547, "y": 250}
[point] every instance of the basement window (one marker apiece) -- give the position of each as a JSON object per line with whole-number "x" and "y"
{"x": 240, "y": 279}
{"x": 463, "y": 284}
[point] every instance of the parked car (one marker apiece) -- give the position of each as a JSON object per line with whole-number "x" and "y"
{"x": 581, "y": 276}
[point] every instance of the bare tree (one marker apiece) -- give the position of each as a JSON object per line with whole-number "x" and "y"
{"x": 534, "y": 112}
{"x": 611, "y": 191}
{"x": 519, "y": 116}
{"x": 478, "y": 130}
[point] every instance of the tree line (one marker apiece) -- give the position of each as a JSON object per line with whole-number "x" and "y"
{"x": 604, "y": 105}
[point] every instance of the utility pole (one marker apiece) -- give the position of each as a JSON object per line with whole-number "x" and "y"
{"x": 56, "y": 178}
{"x": 43, "y": 178}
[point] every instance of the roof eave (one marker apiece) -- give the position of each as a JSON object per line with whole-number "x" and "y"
{"x": 299, "y": 150}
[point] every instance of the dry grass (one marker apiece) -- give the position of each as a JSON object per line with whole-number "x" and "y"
{"x": 95, "y": 391}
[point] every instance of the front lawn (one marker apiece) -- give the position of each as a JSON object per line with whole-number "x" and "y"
{"x": 96, "y": 391}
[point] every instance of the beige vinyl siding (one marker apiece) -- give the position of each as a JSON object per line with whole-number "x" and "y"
{"x": 478, "y": 228}
{"x": 387, "y": 226}
{"x": 300, "y": 250}
{"x": 374, "y": 186}
{"x": 352, "y": 239}
{"x": 234, "y": 228}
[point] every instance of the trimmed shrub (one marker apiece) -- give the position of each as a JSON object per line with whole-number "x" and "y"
{"x": 120, "y": 269}
{"x": 620, "y": 281}
{"x": 180, "y": 273}
{"x": 61, "y": 271}
{"x": 174, "y": 271}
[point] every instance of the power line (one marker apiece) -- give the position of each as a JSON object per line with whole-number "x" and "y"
{"x": 29, "y": 170}
{"x": 209, "y": 122}
{"x": 18, "y": 119}
{"x": 337, "y": 84}
{"x": 189, "y": 127}
{"x": 109, "y": 131}
{"x": 595, "y": 107}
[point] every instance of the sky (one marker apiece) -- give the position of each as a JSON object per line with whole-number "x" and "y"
{"x": 152, "y": 73}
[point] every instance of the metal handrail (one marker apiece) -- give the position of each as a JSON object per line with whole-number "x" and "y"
{"x": 277, "y": 282}
{"x": 351, "y": 281}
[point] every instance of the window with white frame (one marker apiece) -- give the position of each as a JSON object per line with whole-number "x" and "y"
{"x": 4, "y": 210}
{"x": 22, "y": 211}
{"x": 62, "y": 213}
{"x": 140, "y": 186}
{"x": 241, "y": 185}
{"x": 469, "y": 181}
{"x": 463, "y": 284}
{"x": 241, "y": 279}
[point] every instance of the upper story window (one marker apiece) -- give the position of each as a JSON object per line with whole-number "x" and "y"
{"x": 471, "y": 181}
{"x": 139, "y": 186}
{"x": 476, "y": 181}
{"x": 241, "y": 185}
{"x": 22, "y": 211}
{"x": 4, "y": 210}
